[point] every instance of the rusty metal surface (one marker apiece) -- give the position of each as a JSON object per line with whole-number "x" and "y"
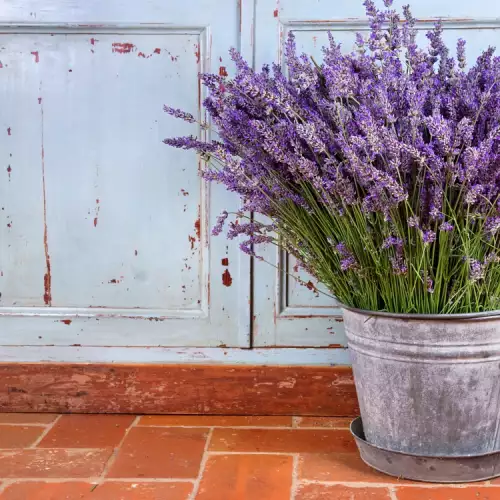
{"x": 427, "y": 386}
{"x": 425, "y": 468}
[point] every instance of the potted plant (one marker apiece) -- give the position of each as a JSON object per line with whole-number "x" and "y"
{"x": 379, "y": 170}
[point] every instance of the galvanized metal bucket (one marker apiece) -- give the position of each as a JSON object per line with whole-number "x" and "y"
{"x": 428, "y": 385}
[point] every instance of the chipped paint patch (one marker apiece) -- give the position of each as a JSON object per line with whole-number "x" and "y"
{"x": 227, "y": 280}
{"x": 66, "y": 321}
{"x": 197, "y": 52}
{"x": 192, "y": 240}
{"x": 122, "y": 48}
{"x": 275, "y": 13}
{"x": 222, "y": 71}
{"x": 9, "y": 131}
{"x": 225, "y": 261}
{"x": 114, "y": 281}
{"x": 197, "y": 228}
{"x": 37, "y": 56}
{"x": 157, "y": 51}
{"x": 9, "y": 170}
{"x": 97, "y": 209}
{"x": 47, "y": 278}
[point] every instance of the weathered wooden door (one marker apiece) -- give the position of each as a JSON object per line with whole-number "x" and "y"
{"x": 286, "y": 313}
{"x": 104, "y": 231}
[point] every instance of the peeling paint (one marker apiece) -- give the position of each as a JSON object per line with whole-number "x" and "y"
{"x": 222, "y": 71}
{"x": 227, "y": 280}
{"x": 114, "y": 281}
{"x": 197, "y": 227}
{"x": 37, "y": 56}
{"x": 47, "y": 278}
{"x": 184, "y": 192}
{"x": 93, "y": 41}
{"x": 9, "y": 170}
{"x": 9, "y": 131}
{"x": 225, "y": 261}
{"x": 97, "y": 209}
{"x": 39, "y": 100}
{"x": 157, "y": 51}
{"x": 66, "y": 321}
{"x": 275, "y": 13}
{"x": 192, "y": 240}
{"x": 1, "y": 65}
{"x": 122, "y": 48}
{"x": 136, "y": 253}
{"x": 197, "y": 52}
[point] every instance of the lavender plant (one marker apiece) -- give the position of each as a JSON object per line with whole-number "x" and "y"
{"x": 379, "y": 170}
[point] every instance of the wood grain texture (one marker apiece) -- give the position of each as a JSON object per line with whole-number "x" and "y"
{"x": 180, "y": 389}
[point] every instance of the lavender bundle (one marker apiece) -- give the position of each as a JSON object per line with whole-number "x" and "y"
{"x": 379, "y": 170}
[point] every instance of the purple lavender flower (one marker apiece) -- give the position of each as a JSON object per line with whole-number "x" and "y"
{"x": 428, "y": 236}
{"x": 446, "y": 226}
{"x": 178, "y": 113}
{"x": 476, "y": 270}
{"x": 379, "y": 141}
{"x": 221, "y": 219}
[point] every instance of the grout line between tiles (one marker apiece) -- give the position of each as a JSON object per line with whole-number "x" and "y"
{"x": 295, "y": 476}
{"x": 203, "y": 463}
{"x": 114, "y": 454}
{"x": 94, "y": 480}
{"x": 45, "y": 432}
{"x": 392, "y": 493}
{"x": 275, "y": 427}
{"x": 416, "y": 485}
{"x": 46, "y": 424}
{"x": 279, "y": 453}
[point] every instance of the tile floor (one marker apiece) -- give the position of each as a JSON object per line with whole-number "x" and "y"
{"x": 122, "y": 457}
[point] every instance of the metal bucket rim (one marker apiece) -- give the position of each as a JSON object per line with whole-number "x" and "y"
{"x": 416, "y": 316}
{"x": 359, "y": 421}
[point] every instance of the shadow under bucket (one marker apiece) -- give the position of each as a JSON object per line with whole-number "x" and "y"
{"x": 425, "y": 468}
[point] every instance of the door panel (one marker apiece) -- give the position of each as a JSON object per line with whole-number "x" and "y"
{"x": 104, "y": 231}
{"x": 286, "y": 312}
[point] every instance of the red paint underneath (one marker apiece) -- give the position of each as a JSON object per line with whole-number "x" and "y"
{"x": 1, "y": 65}
{"x": 39, "y": 100}
{"x": 222, "y": 71}
{"x": 9, "y": 131}
{"x": 66, "y": 321}
{"x": 226, "y": 278}
{"x": 122, "y": 48}
{"x": 157, "y": 51}
{"x": 92, "y": 41}
{"x": 192, "y": 240}
{"x": 197, "y": 53}
{"x": 275, "y": 12}
{"x": 37, "y": 56}
{"x": 114, "y": 281}
{"x": 310, "y": 285}
{"x": 47, "y": 278}
{"x": 197, "y": 227}
{"x": 96, "y": 220}
{"x": 225, "y": 261}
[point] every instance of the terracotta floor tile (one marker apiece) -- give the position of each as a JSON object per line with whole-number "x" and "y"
{"x": 324, "y": 422}
{"x": 341, "y": 467}
{"x": 246, "y": 477}
{"x": 447, "y": 493}
{"x": 27, "y": 418}
{"x": 141, "y": 491}
{"x": 47, "y": 491}
{"x": 42, "y": 463}
{"x": 18, "y": 436}
{"x": 334, "y": 492}
{"x": 160, "y": 452}
{"x": 282, "y": 440}
{"x": 215, "y": 420}
{"x": 87, "y": 431}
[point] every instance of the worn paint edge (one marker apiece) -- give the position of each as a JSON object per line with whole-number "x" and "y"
{"x": 177, "y": 389}
{"x": 97, "y": 354}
